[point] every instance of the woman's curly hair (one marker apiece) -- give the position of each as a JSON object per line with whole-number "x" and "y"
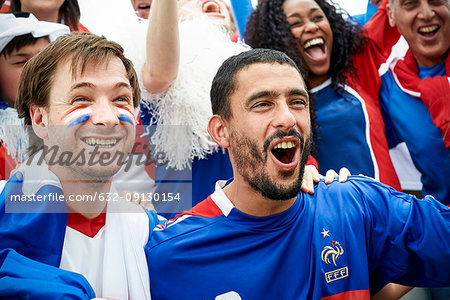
{"x": 268, "y": 28}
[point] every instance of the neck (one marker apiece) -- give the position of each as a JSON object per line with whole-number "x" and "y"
{"x": 49, "y": 15}
{"x": 314, "y": 80}
{"x": 430, "y": 62}
{"x": 88, "y": 198}
{"x": 249, "y": 201}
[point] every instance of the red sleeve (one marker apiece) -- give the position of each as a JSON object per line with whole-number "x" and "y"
{"x": 380, "y": 32}
{"x": 312, "y": 161}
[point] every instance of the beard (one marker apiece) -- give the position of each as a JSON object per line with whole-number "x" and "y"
{"x": 251, "y": 162}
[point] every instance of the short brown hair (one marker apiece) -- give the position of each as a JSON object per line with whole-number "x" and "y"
{"x": 21, "y": 41}
{"x": 81, "y": 48}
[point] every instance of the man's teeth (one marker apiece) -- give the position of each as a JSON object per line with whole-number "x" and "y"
{"x": 284, "y": 145}
{"x": 313, "y": 42}
{"x": 428, "y": 29}
{"x": 211, "y": 7}
{"x": 101, "y": 142}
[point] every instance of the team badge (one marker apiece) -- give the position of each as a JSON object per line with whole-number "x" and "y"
{"x": 333, "y": 251}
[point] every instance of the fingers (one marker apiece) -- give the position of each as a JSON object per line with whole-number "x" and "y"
{"x": 310, "y": 176}
{"x": 330, "y": 175}
{"x": 343, "y": 174}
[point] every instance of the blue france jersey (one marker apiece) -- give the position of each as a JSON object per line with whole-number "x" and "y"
{"x": 408, "y": 120}
{"x": 340, "y": 242}
{"x": 342, "y": 139}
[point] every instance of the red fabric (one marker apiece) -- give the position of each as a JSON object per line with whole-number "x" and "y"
{"x": 235, "y": 37}
{"x": 367, "y": 82}
{"x": 7, "y": 163}
{"x": 207, "y": 209}
{"x": 5, "y": 8}
{"x": 312, "y": 161}
{"x": 142, "y": 145}
{"x": 380, "y": 31}
{"x": 350, "y": 295}
{"x": 433, "y": 91}
{"x": 88, "y": 227}
{"x": 80, "y": 28}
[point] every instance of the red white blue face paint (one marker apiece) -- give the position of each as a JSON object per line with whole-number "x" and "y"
{"x": 77, "y": 115}
{"x": 125, "y": 115}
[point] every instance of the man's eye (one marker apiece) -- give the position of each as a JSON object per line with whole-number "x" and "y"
{"x": 260, "y": 105}
{"x": 299, "y": 102}
{"x": 81, "y": 99}
{"x": 121, "y": 100}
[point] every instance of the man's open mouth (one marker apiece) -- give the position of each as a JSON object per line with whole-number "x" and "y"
{"x": 284, "y": 152}
{"x": 211, "y": 7}
{"x": 428, "y": 30}
{"x": 100, "y": 142}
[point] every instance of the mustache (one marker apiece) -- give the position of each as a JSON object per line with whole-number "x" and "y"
{"x": 281, "y": 134}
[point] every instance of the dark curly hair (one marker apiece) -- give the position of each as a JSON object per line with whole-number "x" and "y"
{"x": 69, "y": 12}
{"x": 269, "y": 28}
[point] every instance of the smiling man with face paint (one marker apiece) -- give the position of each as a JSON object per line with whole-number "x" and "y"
{"x": 258, "y": 237}
{"x": 78, "y": 98}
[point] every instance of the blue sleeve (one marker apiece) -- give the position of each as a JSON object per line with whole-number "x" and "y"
{"x": 408, "y": 238}
{"x": 23, "y": 278}
{"x": 362, "y": 19}
{"x": 153, "y": 220}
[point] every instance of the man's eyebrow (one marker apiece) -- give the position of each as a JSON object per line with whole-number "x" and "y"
{"x": 297, "y": 92}
{"x": 81, "y": 85}
{"x": 262, "y": 94}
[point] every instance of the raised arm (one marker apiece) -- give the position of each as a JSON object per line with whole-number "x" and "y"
{"x": 162, "y": 47}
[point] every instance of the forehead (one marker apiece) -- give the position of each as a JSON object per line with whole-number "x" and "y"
{"x": 105, "y": 74}
{"x": 30, "y": 48}
{"x": 300, "y": 6}
{"x": 268, "y": 76}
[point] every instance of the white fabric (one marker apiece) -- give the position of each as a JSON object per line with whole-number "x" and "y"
{"x": 13, "y": 134}
{"x": 113, "y": 261}
{"x": 220, "y": 199}
{"x": 84, "y": 255}
{"x": 11, "y": 26}
{"x": 407, "y": 173}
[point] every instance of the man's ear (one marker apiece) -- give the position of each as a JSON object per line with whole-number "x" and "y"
{"x": 390, "y": 15}
{"x": 218, "y": 130}
{"x": 39, "y": 121}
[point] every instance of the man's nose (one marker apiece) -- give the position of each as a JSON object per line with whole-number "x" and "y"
{"x": 284, "y": 118}
{"x": 104, "y": 113}
{"x": 426, "y": 11}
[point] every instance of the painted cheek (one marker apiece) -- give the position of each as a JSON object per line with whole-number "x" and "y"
{"x": 126, "y": 115}
{"x": 76, "y": 115}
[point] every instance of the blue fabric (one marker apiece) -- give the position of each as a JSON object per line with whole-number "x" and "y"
{"x": 38, "y": 235}
{"x": 37, "y": 238}
{"x": 385, "y": 236}
{"x": 364, "y": 18}
{"x": 341, "y": 140}
{"x": 23, "y": 278}
{"x": 3, "y": 104}
{"x": 408, "y": 120}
